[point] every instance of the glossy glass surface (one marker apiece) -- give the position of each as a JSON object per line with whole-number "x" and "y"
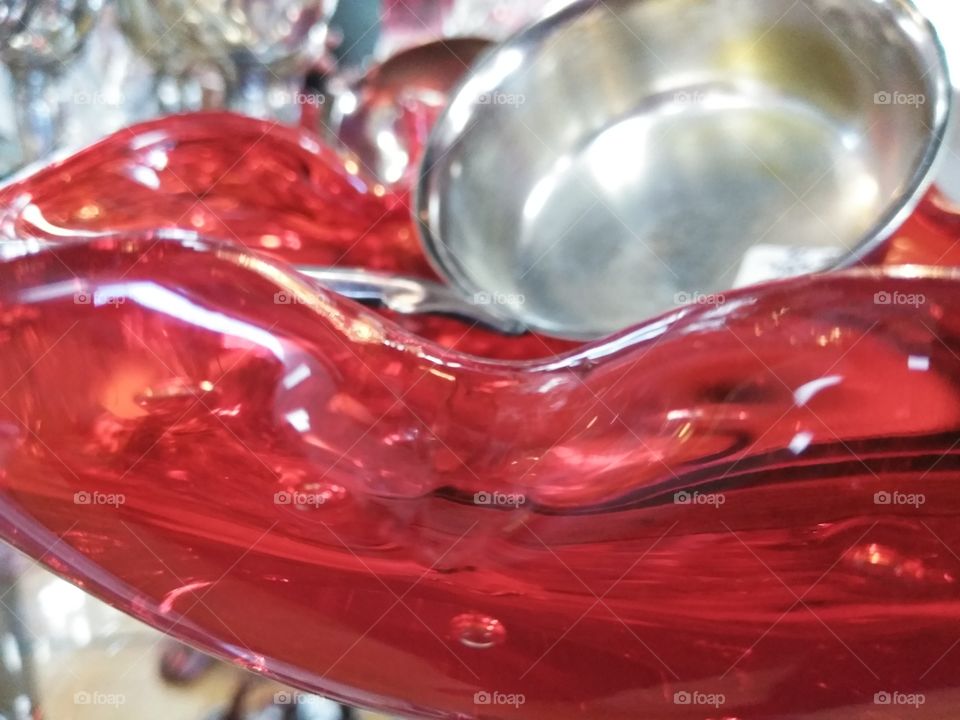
{"x": 930, "y": 236}
{"x": 695, "y": 506}
{"x": 747, "y": 508}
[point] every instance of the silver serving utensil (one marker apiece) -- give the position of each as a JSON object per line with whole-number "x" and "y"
{"x": 619, "y": 158}
{"x": 383, "y": 118}
{"x": 410, "y": 296}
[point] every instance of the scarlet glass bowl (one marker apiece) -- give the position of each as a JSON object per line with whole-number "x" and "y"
{"x": 744, "y": 509}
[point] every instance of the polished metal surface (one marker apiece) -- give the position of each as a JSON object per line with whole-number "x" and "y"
{"x": 383, "y": 117}
{"x": 408, "y": 295}
{"x": 620, "y": 158}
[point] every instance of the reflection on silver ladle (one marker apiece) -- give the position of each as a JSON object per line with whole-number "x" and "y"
{"x": 410, "y": 296}
{"x": 383, "y": 118}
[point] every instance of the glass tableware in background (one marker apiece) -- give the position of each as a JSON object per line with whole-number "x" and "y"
{"x": 496, "y": 19}
{"x": 250, "y": 702}
{"x": 38, "y": 40}
{"x": 263, "y": 46}
{"x": 180, "y": 83}
{"x": 19, "y": 695}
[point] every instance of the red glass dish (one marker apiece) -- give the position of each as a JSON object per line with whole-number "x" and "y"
{"x": 740, "y": 510}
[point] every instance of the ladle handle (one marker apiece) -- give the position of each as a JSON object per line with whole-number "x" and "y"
{"x": 408, "y": 295}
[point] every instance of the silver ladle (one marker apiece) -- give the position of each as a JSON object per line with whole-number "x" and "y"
{"x": 617, "y": 160}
